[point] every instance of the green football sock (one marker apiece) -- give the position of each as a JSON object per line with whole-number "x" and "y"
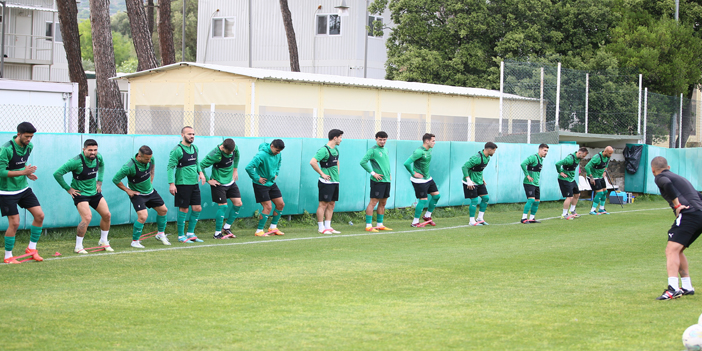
{"x": 380, "y": 218}
{"x": 420, "y": 207}
{"x": 262, "y": 221}
{"x": 180, "y": 222}
{"x": 161, "y": 223}
{"x": 192, "y": 223}
{"x": 527, "y": 206}
{"x": 473, "y": 206}
{"x": 433, "y": 201}
{"x": 484, "y": 203}
{"x": 276, "y": 216}
{"x": 35, "y": 233}
{"x": 9, "y": 243}
{"x": 369, "y": 219}
{"x": 233, "y": 214}
{"x": 136, "y": 231}
{"x": 535, "y": 207}
{"x": 219, "y": 217}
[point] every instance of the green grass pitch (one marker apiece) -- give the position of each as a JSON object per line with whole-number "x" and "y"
{"x": 586, "y": 284}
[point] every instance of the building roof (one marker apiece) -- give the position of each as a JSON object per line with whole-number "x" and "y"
{"x": 275, "y": 75}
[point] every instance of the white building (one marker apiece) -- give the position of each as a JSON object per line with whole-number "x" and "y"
{"x": 250, "y": 33}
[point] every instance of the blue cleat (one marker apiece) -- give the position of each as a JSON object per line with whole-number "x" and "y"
{"x": 193, "y": 237}
{"x": 593, "y": 213}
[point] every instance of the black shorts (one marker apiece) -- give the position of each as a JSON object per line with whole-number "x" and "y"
{"x": 266, "y": 193}
{"x": 421, "y": 190}
{"x": 532, "y": 191}
{"x": 9, "y": 203}
{"x": 478, "y": 190}
{"x": 686, "y": 228}
{"x": 93, "y": 201}
{"x": 379, "y": 190}
{"x": 599, "y": 184}
{"x": 220, "y": 194}
{"x": 328, "y": 192}
{"x": 144, "y": 202}
{"x": 187, "y": 195}
{"x": 568, "y": 189}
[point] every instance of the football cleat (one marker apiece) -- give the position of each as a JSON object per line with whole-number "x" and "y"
{"x": 106, "y": 244}
{"x": 688, "y": 292}
{"x": 371, "y": 229}
{"x": 36, "y": 257}
{"x": 670, "y": 294}
{"x": 383, "y": 228}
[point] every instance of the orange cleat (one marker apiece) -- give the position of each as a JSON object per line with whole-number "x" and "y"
{"x": 383, "y": 228}
{"x": 274, "y": 231}
{"x": 11, "y": 260}
{"x": 260, "y": 233}
{"x": 371, "y": 229}
{"x": 35, "y": 254}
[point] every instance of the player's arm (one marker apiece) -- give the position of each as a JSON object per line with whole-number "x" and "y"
{"x": 524, "y": 165}
{"x": 175, "y": 155}
{"x": 201, "y": 175}
{"x": 235, "y": 162}
{"x": 153, "y": 169}
{"x": 101, "y": 173}
{"x": 466, "y": 173}
{"x": 210, "y": 159}
{"x": 5, "y": 156}
{"x": 670, "y": 193}
{"x": 589, "y": 166}
{"x": 559, "y": 167}
{"x": 409, "y": 164}
{"x": 121, "y": 174}
{"x": 277, "y": 169}
{"x": 65, "y": 168}
{"x": 251, "y": 170}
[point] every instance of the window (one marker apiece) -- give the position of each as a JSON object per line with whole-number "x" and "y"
{"x": 223, "y": 27}
{"x": 57, "y": 33}
{"x": 328, "y": 24}
{"x": 375, "y": 26}
{"x": 49, "y": 30}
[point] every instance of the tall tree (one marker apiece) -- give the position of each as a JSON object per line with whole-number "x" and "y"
{"x": 150, "y": 15}
{"x": 112, "y": 116}
{"x": 290, "y": 32}
{"x": 141, "y": 35}
{"x": 165, "y": 32}
{"x": 68, "y": 17}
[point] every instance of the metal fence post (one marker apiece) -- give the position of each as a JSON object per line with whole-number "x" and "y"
{"x": 542, "y": 125}
{"x": 212, "y": 119}
{"x": 502, "y": 92}
{"x": 680, "y": 126}
{"x": 645, "y": 113}
{"x": 558, "y": 96}
{"x": 528, "y": 131}
{"x": 638, "y": 129}
{"x": 587, "y": 98}
{"x": 399, "y": 124}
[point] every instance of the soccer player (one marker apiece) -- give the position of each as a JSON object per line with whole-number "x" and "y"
{"x": 183, "y": 184}
{"x": 532, "y": 171}
{"x": 14, "y": 190}
{"x": 474, "y": 183}
{"x": 139, "y": 171}
{"x": 224, "y": 160}
{"x": 424, "y": 186}
{"x": 264, "y": 170}
{"x": 596, "y": 171}
{"x": 88, "y": 169}
{"x": 379, "y": 181}
{"x": 566, "y": 180}
{"x": 328, "y": 158}
{"x": 687, "y": 206}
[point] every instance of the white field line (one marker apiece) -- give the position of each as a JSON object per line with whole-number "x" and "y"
{"x": 196, "y": 246}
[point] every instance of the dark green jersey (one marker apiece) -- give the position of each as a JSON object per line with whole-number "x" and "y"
{"x": 183, "y": 160}
{"x": 13, "y": 158}
{"x": 597, "y": 165}
{"x": 379, "y": 161}
{"x": 568, "y": 166}
{"x": 84, "y": 182}
{"x": 474, "y": 167}
{"x": 325, "y": 156}
{"x": 419, "y": 162}
{"x": 138, "y": 175}
{"x": 532, "y": 167}
{"x": 223, "y": 165}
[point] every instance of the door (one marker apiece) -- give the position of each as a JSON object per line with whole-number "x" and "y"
{"x": 23, "y": 34}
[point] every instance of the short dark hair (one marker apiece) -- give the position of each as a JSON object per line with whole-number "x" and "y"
{"x": 659, "y": 162}
{"x": 229, "y": 144}
{"x": 427, "y": 136}
{"x": 335, "y": 133}
{"x": 381, "y": 135}
{"x": 490, "y": 145}
{"x": 278, "y": 144}
{"x": 584, "y": 149}
{"x": 184, "y": 128}
{"x": 25, "y": 127}
{"x": 543, "y": 146}
{"x": 145, "y": 150}
{"x": 89, "y": 142}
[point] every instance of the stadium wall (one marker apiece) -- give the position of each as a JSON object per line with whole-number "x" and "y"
{"x": 685, "y": 162}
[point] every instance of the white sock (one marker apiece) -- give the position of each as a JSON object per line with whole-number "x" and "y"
{"x": 673, "y": 281}
{"x": 601, "y": 207}
{"x": 427, "y": 214}
{"x": 565, "y": 211}
{"x": 160, "y": 233}
{"x": 189, "y": 234}
{"x": 686, "y": 283}
{"x": 327, "y": 224}
{"x": 472, "y": 220}
{"x": 217, "y": 232}
{"x": 415, "y": 221}
{"x": 480, "y": 215}
{"x": 79, "y": 242}
{"x": 273, "y": 226}
{"x": 593, "y": 209}
{"x": 524, "y": 215}
{"x": 8, "y": 254}
{"x": 103, "y": 235}
{"x": 321, "y": 226}
{"x": 33, "y": 246}
{"x": 532, "y": 217}
{"x": 368, "y": 225}
{"x": 379, "y": 224}
{"x": 572, "y": 208}
{"x": 135, "y": 241}
{"x": 227, "y": 226}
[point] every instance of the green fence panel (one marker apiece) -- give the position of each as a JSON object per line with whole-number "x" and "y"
{"x": 507, "y": 185}
{"x": 352, "y": 177}
{"x": 694, "y": 167}
{"x": 404, "y": 191}
{"x": 460, "y": 153}
{"x": 440, "y": 170}
{"x": 635, "y": 182}
{"x": 391, "y": 147}
{"x": 289, "y": 178}
{"x": 653, "y": 151}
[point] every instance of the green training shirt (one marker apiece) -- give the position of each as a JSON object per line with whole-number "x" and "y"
{"x": 13, "y": 185}
{"x": 475, "y": 176}
{"x": 223, "y": 165}
{"x": 532, "y": 161}
{"x": 264, "y": 165}
{"x": 380, "y": 163}
{"x": 86, "y": 187}
{"x": 570, "y": 161}
{"x": 187, "y": 175}
{"x": 128, "y": 170}
{"x": 322, "y": 155}
{"x": 598, "y": 160}
{"x": 419, "y": 162}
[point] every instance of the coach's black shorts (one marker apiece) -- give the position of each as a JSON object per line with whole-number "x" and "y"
{"x": 686, "y": 228}
{"x": 478, "y": 190}
{"x": 266, "y": 193}
{"x": 25, "y": 199}
{"x": 93, "y": 201}
{"x": 187, "y": 195}
{"x": 568, "y": 189}
{"x": 421, "y": 190}
{"x": 144, "y": 202}
{"x": 328, "y": 192}
{"x": 379, "y": 190}
{"x": 599, "y": 184}
{"x": 532, "y": 191}
{"x": 221, "y": 193}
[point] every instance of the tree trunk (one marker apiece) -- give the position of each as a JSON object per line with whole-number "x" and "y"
{"x": 290, "y": 32}
{"x": 112, "y": 116}
{"x": 68, "y": 17}
{"x": 141, "y": 36}
{"x": 150, "y": 15}
{"x": 165, "y": 33}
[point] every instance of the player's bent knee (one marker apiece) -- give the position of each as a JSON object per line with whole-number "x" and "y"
{"x": 237, "y": 202}
{"x": 485, "y": 199}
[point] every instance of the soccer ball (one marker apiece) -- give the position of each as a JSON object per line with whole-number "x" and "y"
{"x": 692, "y": 337}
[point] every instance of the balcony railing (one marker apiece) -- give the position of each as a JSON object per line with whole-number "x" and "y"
{"x": 29, "y": 49}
